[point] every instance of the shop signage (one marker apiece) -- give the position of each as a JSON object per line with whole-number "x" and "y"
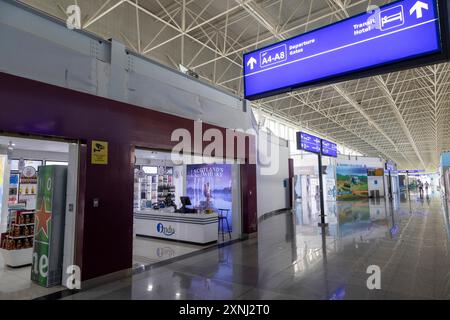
{"x": 329, "y": 149}
{"x": 99, "y": 152}
{"x": 395, "y": 33}
{"x": 308, "y": 142}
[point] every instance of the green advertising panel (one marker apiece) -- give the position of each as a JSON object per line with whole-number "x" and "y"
{"x": 352, "y": 182}
{"x": 49, "y": 226}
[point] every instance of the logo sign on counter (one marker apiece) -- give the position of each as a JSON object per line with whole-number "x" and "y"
{"x": 397, "y": 32}
{"x": 99, "y": 152}
{"x": 329, "y": 149}
{"x": 308, "y": 142}
{"x": 167, "y": 231}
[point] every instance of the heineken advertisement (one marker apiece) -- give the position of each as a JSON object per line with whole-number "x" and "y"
{"x": 49, "y": 226}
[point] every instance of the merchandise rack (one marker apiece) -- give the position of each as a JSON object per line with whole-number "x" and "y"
{"x": 17, "y": 242}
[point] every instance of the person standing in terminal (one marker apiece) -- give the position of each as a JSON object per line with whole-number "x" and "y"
{"x": 427, "y": 185}
{"x": 420, "y": 185}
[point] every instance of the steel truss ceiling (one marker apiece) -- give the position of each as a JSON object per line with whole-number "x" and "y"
{"x": 401, "y": 116}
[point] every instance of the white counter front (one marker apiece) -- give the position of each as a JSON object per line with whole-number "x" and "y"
{"x": 195, "y": 228}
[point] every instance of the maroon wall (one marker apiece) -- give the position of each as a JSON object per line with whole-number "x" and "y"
{"x": 104, "y": 235}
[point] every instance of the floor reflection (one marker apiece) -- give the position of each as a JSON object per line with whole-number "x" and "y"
{"x": 406, "y": 238}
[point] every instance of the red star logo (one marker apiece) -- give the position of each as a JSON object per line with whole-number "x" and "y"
{"x": 42, "y": 218}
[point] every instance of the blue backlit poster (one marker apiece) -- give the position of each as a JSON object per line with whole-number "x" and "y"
{"x": 396, "y": 32}
{"x": 209, "y": 186}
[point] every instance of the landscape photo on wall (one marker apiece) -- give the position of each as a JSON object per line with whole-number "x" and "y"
{"x": 352, "y": 182}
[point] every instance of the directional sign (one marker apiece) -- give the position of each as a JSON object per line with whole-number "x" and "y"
{"x": 308, "y": 142}
{"x": 329, "y": 149}
{"x": 411, "y": 171}
{"x": 397, "y": 32}
{"x": 417, "y": 9}
{"x": 251, "y": 63}
{"x": 390, "y": 166}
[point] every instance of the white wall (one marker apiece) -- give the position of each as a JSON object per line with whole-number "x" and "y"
{"x": 376, "y": 183}
{"x": 272, "y": 194}
{"x": 364, "y": 161}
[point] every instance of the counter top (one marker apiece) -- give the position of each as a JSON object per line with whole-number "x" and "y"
{"x": 167, "y": 214}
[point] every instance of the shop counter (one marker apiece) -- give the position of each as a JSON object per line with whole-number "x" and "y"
{"x": 194, "y": 228}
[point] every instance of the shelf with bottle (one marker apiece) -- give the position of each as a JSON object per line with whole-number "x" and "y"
{"x": 28, "y": 180}
{"x": 27, "y": 189}
{"x": 20, "y": 231}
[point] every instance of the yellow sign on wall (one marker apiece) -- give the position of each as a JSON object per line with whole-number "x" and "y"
{"x": 99, "y": 152}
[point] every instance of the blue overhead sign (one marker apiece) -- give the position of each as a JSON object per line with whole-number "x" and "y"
{"x": 389, "y": 166}
{"x": 411, "y": 171}
{"x": 308, "y": 142}
{"x": 397, "y": 32}
{"x": 329, "y": 149}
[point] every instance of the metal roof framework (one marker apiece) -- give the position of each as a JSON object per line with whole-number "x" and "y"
{"x": 400, "y": 116}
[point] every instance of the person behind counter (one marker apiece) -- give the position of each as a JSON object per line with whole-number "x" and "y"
{"x": 168, "y": 201}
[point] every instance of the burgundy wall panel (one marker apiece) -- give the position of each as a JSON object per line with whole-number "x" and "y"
{"x": 30, "y": 107}
{"x": 249, "y": 198}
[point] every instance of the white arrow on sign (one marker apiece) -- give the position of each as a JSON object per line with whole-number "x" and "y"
{"x": 251, "y": 63}
{"x": 418, "y": 7}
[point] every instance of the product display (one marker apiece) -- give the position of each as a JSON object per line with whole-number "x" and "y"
{"x": 151, "y": 190}
{"x": 13, "y": 196}
{"x": 20, "y": 231}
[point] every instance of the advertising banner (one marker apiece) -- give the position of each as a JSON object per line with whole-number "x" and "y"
{"x": 352, "y": 182}
{"x": 209, "y": 186}
{"x": 49, "y": 226}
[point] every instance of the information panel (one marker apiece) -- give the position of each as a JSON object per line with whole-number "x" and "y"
{"x": 308, "y": 142}
{"x": 396, "y": 32}
{"x": 329, "y": 148}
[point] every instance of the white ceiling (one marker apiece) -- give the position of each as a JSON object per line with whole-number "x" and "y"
{"x": 35, "y": 145}
{"x": 401, "y": 116}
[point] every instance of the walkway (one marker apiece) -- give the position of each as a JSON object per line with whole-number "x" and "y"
{"x": 292, "y": 259}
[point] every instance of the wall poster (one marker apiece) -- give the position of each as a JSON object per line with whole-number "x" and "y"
{"x": 209, "y": 186}
{"x": 352, "y": 182}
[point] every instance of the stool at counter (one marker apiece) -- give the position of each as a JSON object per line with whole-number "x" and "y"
{"x": 223, "y": 216}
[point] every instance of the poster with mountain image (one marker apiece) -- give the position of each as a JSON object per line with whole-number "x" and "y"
{"x": 352, "y": 182}
{"x": 209, "y": 186}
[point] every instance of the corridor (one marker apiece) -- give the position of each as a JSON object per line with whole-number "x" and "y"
{"x": 292, "y": 258}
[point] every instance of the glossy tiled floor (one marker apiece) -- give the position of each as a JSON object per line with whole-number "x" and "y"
{"x": 15, "y": 284}
{"x": 148, "y": 251}
{"x": 293, "y": 258}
